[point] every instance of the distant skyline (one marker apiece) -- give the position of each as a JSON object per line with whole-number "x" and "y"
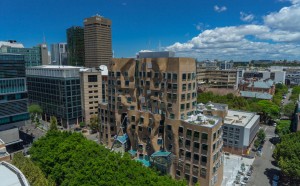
{"x": 202, "y": 29}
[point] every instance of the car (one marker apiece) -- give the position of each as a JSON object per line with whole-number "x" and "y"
{"x": 274, "y": 124}
{"x": 275, "y": 178}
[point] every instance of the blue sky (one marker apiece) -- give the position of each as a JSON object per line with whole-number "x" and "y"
{"x": 204, "y": 29}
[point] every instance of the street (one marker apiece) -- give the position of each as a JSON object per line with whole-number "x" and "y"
{"x": 265, "y": 166}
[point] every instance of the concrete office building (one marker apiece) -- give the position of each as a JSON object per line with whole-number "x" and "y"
{"x": 226, "y": 65}
{"x": 59, "y": 54}
{"x": 34, "y": 56}
{"x": 91, "y": 92}
{"x": 97, "y": 41}
{"x": 239, "y": 131}
{"x": 57, "y": 90}
{"x": 151, "y": 112}
{"x": 159, "y": 54}
{"x": 228, "y": 79}
{"x": 75, "y": 42}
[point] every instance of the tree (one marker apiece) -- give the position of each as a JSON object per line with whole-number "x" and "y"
{"x": 53, "y": 123}
{"x": 268, "y": 109}
{"x": 35, "y": 111}
{"x": 289, "y": 109}
{"x": 82, "y": 124}
{"x": 261, "y": 135}
{"x": 71, "y": 159}
{"x": 32, "y": 172}
{"x": 287, "y": 153}
{"x": 257, "y": 143}
{"x": 94, "y": 125}
{"x": 283, "y": 127}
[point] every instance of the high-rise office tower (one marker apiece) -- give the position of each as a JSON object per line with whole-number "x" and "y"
{"x": 34, "y": 56}
{"x": 59, "y": 54}
{"x": 75, "y": 40}
{"x": 97, "y": 41}
{"x": 13, "y": 97}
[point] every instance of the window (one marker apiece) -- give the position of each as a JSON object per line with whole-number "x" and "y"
{"x": 196, "y": 145}
{"x": 204, "y": 136}
{"x": 169, "y": 127}
{"x": 177, "y": 172}
{"x": 180, "y": 130}
{"x": 118, "y": 74}
{"x": 183, "y": 76}
{"x": 132, "y": 118}
{"x": 187, "y": 143}
{"x": 188, "y": 154}
{"x": 126, "y": 83}
{"x": 195, "y": 179}
{"x": 174, "y": 76}
{"x": 141, "y": 120}
{"x": 182, "y": 96}
{"x": 196, "y": 157}
{"x": 182, "y": 107}
{"x": 204, "y": 159}
{"x": 183, "y": 87}
{"x": 92, "y": 78}
{"x": 169, "y": 76}
{"x": 188, "y": 133}
{"x": 159, "y": 141}
{"x": 196, "y": 135}
{"x": 125, "y": 74}
{"x": 204, "y": 147}
{"x": 203, "y": 172}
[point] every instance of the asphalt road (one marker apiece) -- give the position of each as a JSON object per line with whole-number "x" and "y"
{"x": 265, "y": 166}
{"x": 288, "y": 95}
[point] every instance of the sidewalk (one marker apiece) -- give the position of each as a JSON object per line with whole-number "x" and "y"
{"x": 232, "y": 165}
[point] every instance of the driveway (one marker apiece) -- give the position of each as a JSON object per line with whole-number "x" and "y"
{"x": 265, "y": 166}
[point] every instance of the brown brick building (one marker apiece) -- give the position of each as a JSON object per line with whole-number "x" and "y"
{"x": 151, "y": 112}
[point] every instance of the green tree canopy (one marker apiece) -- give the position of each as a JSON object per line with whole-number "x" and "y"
{"x": 35, "y": 109}
{"x": 283, "y": 127}
{"x": 71, "y": 159}
{"x": 289, "y": 109}
{"x": 32, "y": 172}
{"x": 287, "y": 153}
{"x": 53, "y": 123}
{"x": 94, "y": 125}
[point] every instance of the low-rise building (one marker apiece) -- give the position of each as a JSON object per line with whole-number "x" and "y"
{"x": 11, "y": 175}
{"x": 4, "y": 155}
{"x": 239, "y": 131}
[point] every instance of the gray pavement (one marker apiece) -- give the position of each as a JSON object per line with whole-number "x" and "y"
{"x": 265, "y": 166}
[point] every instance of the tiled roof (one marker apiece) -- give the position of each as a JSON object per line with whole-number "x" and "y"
{"x": 257, "y": 95}
{"x": 160, "y": 153}
{"x": 261, "y": 84}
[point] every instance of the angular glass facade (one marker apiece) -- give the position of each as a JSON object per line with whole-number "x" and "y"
{"x": 13, "y": 90}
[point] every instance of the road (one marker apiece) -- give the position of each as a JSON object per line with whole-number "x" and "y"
{"x": 265, "y": 166}
{"x": 288, "y": 95}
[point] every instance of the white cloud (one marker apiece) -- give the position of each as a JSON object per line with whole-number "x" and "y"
{"x": 246, "y": 17}
{"x": 278, "y": 37}
{"x": 220, "y": 9}
{"x": 288, "y": 18}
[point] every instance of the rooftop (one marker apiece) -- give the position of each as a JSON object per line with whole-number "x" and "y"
{"x": 160, "y": 153}
{"x": 200, "y": 119}
{"x": 13, "y": 44}
{"x": 11, "y": 175}
{"x": 240, "y": 118}
{"x": 55, "y": 67}
{"x": 211, "y": 106}
{"x": 258, "y": 95}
